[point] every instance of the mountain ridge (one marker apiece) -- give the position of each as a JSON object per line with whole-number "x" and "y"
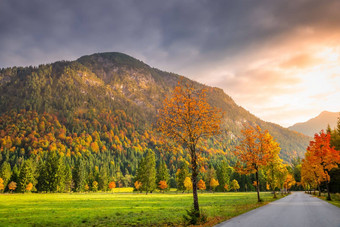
{"x": 114, "y": 81}
{"x": 316, "y": 124}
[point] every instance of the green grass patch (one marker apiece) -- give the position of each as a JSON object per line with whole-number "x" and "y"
{"x": 334, "y": 196}
{"x": 110, "y": 209}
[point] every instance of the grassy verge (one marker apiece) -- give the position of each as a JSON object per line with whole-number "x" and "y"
{"x": 335, "y": 198}
{"x": 103, "y": 209}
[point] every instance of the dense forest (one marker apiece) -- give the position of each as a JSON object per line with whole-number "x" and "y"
{"x": 80, "y": 125}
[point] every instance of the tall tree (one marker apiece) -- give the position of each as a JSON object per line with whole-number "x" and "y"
{"x": 188, "y": 118}
{"x": 323, "y": 155}
{"x": 181, "y": 174}
{"x": 51, "y": 178}
{"x": 162, "y": 174}
{"x": 79, "y": 176}
{"x": 254, "y": 152}
{"x": 5, "y": 172}
{"x": 27, "y": 175}
{"x": 274, "y": 166}
{"x": 223, "y": 176}
{"x": 146, "y": 173}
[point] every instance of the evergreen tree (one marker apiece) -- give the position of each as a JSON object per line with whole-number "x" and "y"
{"x": 79, "y": 176}
{"x": 51, "y": 178}
{"x": 5, "y": 173}
{"x": 26, "y": 175}
{"x": 182, "y": 173}
{"x": 222, "y": 176}
{"x": 146, "y": 173}
{"x": 68, "y": 179}
{"x": 162, "y": 173}
{"x": 103, "y": 180}
{"x": 211, "y": 174}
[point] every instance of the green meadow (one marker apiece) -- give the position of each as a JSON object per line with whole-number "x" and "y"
{"x": 119, "y": 209}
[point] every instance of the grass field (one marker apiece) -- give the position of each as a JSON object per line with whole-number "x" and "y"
{"x": 117, "y": 209}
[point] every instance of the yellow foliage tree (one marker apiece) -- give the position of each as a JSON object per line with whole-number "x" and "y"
{"x": 234, "y": 185}
{"x": 187, "y": 184}
{"x": 213, "y": 184}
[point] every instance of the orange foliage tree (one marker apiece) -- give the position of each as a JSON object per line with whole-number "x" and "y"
{"x": 322, "y": 157}
{"x": 187, "y": 118}
{"x": 138, "y": 185}
{"x": 201, "y": 185}
{"x": 2, "y": 186}
{"x": 163, "y": 185}
{"x": 29, "y": 187}
{"x": 254, "y": 152}
{"x": 112, "y": 185}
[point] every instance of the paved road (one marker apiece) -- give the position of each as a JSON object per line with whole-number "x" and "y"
{"x": 296, "y": 210}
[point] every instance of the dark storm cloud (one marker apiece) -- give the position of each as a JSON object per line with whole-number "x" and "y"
{"x": 40, "y": 31}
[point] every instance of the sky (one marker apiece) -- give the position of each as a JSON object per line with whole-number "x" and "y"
{"x": 278, "y": 59}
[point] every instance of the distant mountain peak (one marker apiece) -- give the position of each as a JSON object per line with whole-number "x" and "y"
{"x": 317, "y": 123}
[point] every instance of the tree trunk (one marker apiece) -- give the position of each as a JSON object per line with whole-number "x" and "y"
{"x": 258, "y": 186}
{"x": 328, "y": 193}
{"x": 274, "y": 194}
{"x": 319, "y": 190}
{"x": 194, "y": 179}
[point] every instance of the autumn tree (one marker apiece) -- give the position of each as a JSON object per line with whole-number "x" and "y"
{"x": 112, "y": 185}
{"x": 29, "y": 187}
{"x": 201, "y": 185}
{"x": 254, "y": 152}
{"x": 323, "y": 156}
{"x": 94, "y": 186}
{"x": 234, "y": 185}
{"x": 12, "y": 186}
{"x": 213, "y": 184}
{"x": 187, "y": 184}
{"x": 274, "y": 166}
{"x": 2, "y": 186}
{"x": 162, "y": 185}
{"x": 138, "y": 186}
{"x": 226, "y": 187}
{"x": 187, "y": 118}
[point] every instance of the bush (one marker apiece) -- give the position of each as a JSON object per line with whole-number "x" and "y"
{"x": 193, "y": 218}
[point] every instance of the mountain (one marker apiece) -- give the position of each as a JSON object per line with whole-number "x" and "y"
{"x": 316, "y": 124}
{"x": 112, "y": 98}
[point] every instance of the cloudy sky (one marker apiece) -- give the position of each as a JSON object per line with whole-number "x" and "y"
{"x": 278, "y": 59}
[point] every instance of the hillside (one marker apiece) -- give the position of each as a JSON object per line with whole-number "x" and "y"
{"x": 316, "y": 124}
{"x": 77, "y": 94}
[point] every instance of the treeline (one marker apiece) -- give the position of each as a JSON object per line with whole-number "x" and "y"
{"x": 320, "y": 167}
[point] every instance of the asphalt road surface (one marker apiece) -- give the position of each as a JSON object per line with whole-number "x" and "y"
{"x": 296, "y": 210}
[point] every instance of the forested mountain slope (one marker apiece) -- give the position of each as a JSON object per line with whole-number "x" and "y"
{"x": 112, "y": 98}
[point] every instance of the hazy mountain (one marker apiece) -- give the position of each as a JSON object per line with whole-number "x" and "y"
{"x": 115, "y": 81}
{"x": 316, "y": 124}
